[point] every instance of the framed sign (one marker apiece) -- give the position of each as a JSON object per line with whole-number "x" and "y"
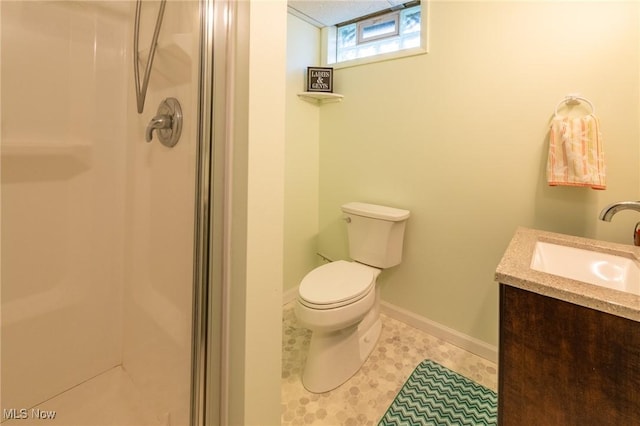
{"x": 319, "y": 79}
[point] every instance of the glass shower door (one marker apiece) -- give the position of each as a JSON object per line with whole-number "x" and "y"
{"x": 97, "y": 224}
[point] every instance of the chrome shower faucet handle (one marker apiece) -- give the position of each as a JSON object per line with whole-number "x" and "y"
{"x": 167, "y": 123}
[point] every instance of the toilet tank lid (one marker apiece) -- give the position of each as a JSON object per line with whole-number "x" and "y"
{"x": 375, "y": 211}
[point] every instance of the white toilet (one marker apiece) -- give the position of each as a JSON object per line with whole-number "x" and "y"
{"x": 339, "y": 301}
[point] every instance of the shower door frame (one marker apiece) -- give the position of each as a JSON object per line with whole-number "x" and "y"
{"x": 209, "y": 349}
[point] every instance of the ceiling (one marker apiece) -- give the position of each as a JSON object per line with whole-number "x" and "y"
{"x": 323, "y": 13}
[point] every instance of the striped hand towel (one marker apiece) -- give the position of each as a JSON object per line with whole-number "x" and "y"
{"x": 575, "y": 153}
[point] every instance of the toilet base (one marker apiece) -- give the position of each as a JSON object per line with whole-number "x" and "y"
{"x": 334, "y": 357}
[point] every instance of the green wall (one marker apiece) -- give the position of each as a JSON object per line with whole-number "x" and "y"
{"x": 302, "y": 152}
{"x": 459, "y": 137}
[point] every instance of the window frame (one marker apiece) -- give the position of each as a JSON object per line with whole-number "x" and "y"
{"x": 361, "y": 26}
{"x": 329, "y": 44}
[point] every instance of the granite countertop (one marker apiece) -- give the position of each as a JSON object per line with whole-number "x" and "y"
{"x": 514, "y": 270}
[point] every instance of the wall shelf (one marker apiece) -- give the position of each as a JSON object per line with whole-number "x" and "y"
{"x": 177, "y": 46}
{"x": 172, "y": 64}
{"x": 40, "y": 160}
{"x": 320, "y": 97}
{"x": 80, "y": 151}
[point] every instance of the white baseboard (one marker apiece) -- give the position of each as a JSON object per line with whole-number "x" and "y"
{"x": 468, "y": 343}
{"x": 289, "y": 295}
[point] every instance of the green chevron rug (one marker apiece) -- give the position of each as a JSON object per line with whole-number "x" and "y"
{"x": 436, "y": 396}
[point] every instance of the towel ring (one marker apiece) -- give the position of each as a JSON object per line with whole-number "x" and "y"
{"x": 575, "y": 100}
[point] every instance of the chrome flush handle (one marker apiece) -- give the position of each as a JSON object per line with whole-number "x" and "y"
{"x": 167, "y": 123}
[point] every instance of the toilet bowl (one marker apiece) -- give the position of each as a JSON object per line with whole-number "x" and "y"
{"x": 339, "y": 301}
{"x": 336, "y": 295}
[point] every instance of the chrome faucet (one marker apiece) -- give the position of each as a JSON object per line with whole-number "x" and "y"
{"x": 607, "y": 213}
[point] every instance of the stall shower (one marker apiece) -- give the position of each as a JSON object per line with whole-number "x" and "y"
{"x": 101, "y": 296}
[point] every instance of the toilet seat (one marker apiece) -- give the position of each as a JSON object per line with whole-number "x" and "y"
{"x": 336, "y": 284}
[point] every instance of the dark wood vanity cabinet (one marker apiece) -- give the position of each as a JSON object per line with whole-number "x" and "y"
{"x": 564, "y": 364}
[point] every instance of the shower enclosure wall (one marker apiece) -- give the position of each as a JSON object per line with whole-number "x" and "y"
{"x": 97, "y": 224}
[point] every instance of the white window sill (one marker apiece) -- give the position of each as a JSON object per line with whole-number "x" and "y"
{"x": 379, "y": 58}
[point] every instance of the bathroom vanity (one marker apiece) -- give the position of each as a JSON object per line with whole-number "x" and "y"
{"x": 569, "y": 349}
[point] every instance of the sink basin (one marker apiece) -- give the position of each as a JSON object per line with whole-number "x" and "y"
{"x": 607, "y": 270}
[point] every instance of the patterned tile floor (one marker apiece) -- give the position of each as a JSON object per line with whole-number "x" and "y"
{"x": 364, "y": 398}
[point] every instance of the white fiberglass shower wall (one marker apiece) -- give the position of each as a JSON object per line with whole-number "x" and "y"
{"x": 97, "y": 224}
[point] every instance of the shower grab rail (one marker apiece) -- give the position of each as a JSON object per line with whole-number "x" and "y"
{"x": 141, "y": 92}
{"x": 575, "y": 100}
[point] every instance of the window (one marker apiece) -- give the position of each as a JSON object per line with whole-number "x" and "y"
{"x": 380, "y": 34}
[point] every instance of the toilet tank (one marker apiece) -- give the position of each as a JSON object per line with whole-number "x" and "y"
{"x": 375, "y": 233}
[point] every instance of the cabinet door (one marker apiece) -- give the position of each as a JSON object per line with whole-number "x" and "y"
{"x": 564, "y": 364}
